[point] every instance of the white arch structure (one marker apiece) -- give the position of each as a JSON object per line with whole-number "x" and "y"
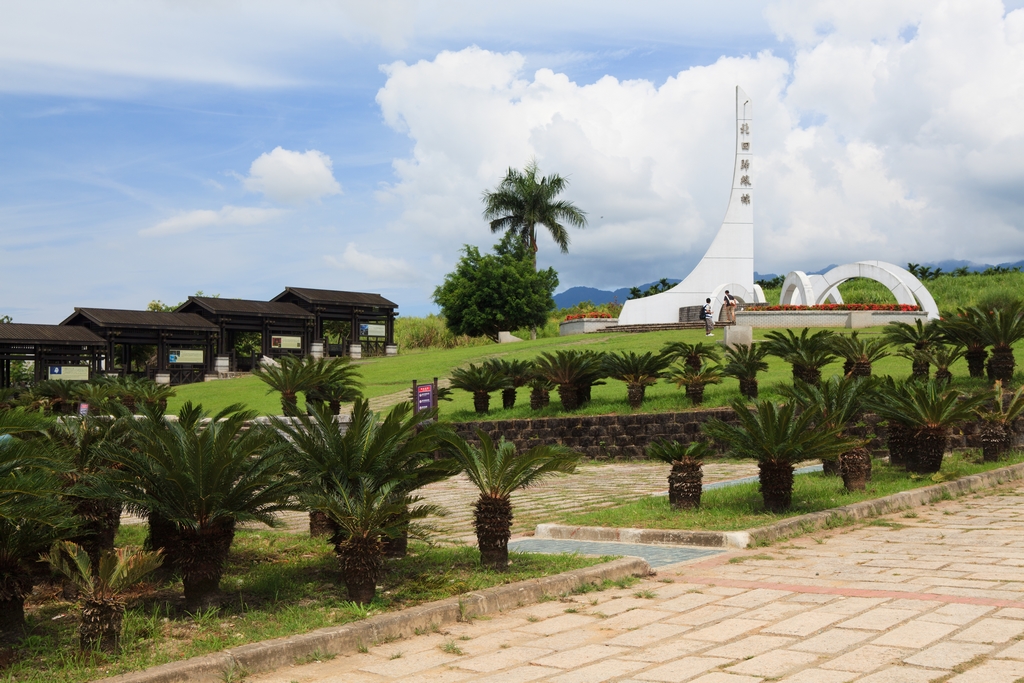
{"x": 800, "y": 289}
{"x": 729, "y": 261}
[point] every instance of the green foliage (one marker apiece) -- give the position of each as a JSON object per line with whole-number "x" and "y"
{"x": 662, "y": 285}
{"x": 489, "y": 293}
{"x": 291, "y": 375}
{"x": 431, "y": 333}
{"x": 497, "y": 470}
{"x": 673, "y": 451}
{"x": 838, "y": 401}
{"x": 924, "y": 405}
{"x": 1000, "y": 327}
{"x": 744, "y": 361}
{"x": 118, "y": 570}
{"x": 522, "y": 201}
{"x": 694, "y": 355}
{"x": 635, "y": 369}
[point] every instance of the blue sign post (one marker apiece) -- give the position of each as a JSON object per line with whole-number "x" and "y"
{"x": 424, "y": 396}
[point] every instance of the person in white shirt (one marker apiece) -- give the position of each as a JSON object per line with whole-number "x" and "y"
{"x": 709, "y": 321}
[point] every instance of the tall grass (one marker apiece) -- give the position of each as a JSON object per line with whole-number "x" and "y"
{"x": 431, "y": 333}
{"x": 949, "y": 292}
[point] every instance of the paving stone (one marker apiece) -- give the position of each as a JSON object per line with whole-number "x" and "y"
{"x": 750, "y": 646}
{"x": 949, "y": 654}
{"x": 991, "y": 630}
{"x": 804, "y": 624}
{"x": 580, "y": 656}
{"x": 774, "y": 664}
{"x": 667, "y": 651}
{"x": 902, "y": 674}
{"x": 624, "y": 605}
{"x": 725, "y": 630}
{"x": 722, "y": 677}
{"x": 1015, "y": 651}
{"x": 820, "y": 676}
{"x": 995, "y": 671}
{"x": 566, "y": 640}
{"x": 705, "y": 615}
{"x": 634, "y": 619}
{"x": 832, "y": 641}
{"x": 647, "y": 635}
{"x": 682, "y": 669}
{"x": 916, "y": 634}
{"x": 879, "y": 619}
{"x": 688, "y": 602}
{"x": 405, "y": 665}
{"x": 502, "y": 659}
{"x": 956, "y": 614}
{"x": 520, "y": 674}
{"x": 866, "y": 658}
{"x": 754, "y": 598}
{"x": 558, "y": 624}
{"x": 595, "y": 673}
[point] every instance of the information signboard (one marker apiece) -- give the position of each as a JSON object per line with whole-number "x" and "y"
{"x": 78, "y": 373}
{"x": 374, "y": 330}
{"x": 286, "y": 342}
{"x": 425, "y": 399}
{"x": 191, "y": 356}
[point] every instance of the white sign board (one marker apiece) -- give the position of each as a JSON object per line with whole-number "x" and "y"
{"x": 194, "y": 356}
{"x": 286, "y": 342}
{"x": 374, "y": 330}
{"x": 78, "y": 373}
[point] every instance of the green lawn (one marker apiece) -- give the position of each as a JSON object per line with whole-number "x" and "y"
{"x": 738, "y": 507}
{"x": 389, "y": 375}
{"x": 275, "y": 585}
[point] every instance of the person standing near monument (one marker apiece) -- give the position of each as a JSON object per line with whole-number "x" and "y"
{"x": 730, "y": 307}
{"x": 709, "y": 321}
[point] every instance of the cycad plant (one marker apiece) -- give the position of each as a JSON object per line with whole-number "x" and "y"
{"x": 638, "y": 371}
{"x": 859, "y": 353}
{"x": 744, "y": 361}
{"x": 694, "y": 381}
{"x": 686, "y": 478}
{"x": 1001, "y": 328}
{"x": 33, "y": 513}
{"x": 97, "y": 395}
{"x": 942, "y": 357}
{"x": 963, "y": 330}
{"x": 928, "y": 412}
{"x": 153, "y": 396}
{"x": 839, "y": 401}
{"x": 54, "y": 396}
{"x": 807, "y": 353}
{"x": 777, "y": 437}
{"x": 694, "y": 356}
{"x": 200, "y": 479}
{"x": 290, "y": 376}
{"x": 479, "y": 380}
{"x": 517, "y": 373}
{"x": 540, "y": 392}
{"x": 918, "y": 337}
{"x": 498, "y": 471}
{"x": 336, "y": 382}
{"x": 569, "y": 371}
{"x": 103, "y": 587}
{"x": 920, "y": 361}
{"x": 997, "y": 419}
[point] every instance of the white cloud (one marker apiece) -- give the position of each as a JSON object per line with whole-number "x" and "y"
{"x": 188, "y": 221}
{"x": 292, "y": 177}
{"x": 376, "y": 269}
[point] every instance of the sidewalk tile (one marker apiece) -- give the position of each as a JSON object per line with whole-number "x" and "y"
{"x": 804, "y": 624}
{"x": 682, "y": 669}
{"x": 725, "y": 630}
{"x": 672, "y": 650}
{"x": 688, "y": 601}
{"x": 949, "y": 654}
{"x": 995, "y": 671}
{"x": 634, "y": 619}
{"x": 646, "y": 635}
{"x": 755, "y": 598}
{"x": 502, "y": 659}
{"x": 705, "y": 615}
{"x": 957, "y": 614}
{"x": 595, "y": 673}
{"x": 991, "y": 630}
{"x": 580, "y": 656}
{"x": 722, "y": 677}
{"x": 879, "y": 619}
{"x": 566, "y": 640}
{"x": 832, "y": 641}
{"x": 866, "y": 658}
{"x": 558, "y": 624}
{"x": 821, "y": 676}
{"x": 405, "y": 665}
{"x": 520, "y": 674}
{"x": 774, "y": 664}
{"x": 915, "y": 634}
{"x": 749, "y": 647}
{"x": 904, "y": 674}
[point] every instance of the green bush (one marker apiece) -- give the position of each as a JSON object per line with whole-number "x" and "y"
{"x": 431, "y": 333}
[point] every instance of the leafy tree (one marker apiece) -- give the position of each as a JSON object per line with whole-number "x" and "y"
{"x": 488, "y": 293}
{"x": 104, "y": 585}
{"x": 6, "y": 319}
{"x": 522, "y": 201}
{"x": 497, "y": 471}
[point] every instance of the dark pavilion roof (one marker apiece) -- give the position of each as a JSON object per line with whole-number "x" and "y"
{"x": 48, "y": 334}
{"x": 111, "y": 317}
{"x": 245, "y": 307}
{"x": 331, "y": 296}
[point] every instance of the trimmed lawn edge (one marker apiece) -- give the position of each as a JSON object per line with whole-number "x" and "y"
{"x": 787, "y": 528}
{"x": 272, "y": 654}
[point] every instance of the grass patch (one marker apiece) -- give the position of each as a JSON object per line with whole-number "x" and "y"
{"x": 274, "y": 585}
{"x": 738, "y": 507}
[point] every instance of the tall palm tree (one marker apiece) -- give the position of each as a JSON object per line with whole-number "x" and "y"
{"x": 807, "y": 353}
{"x": 859, "y": 353}
{"x": 33, "y": 513}
{"x": 517, "y": 373}
{"x": 479, "y": 380}
{"x": 686, "y": 478}
{"x": 522, "y": 201}
{"x": 201, "y": 479}
{"x": 744, "y": 361}
{"x": 497, "y": 471}
{"x": 777, "y": 437}
{"x": 638, "y": 371}
{"x": 104, "y": 585}
{"x": 928, "y": 411}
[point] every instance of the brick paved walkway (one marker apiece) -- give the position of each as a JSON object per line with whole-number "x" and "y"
{"x": 936, "y": 594}
{"x": 592, "y": 486}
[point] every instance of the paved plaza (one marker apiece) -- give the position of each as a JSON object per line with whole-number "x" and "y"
{"x": 933, "y": 594}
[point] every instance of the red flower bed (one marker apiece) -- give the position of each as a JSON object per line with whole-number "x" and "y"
{"x": 841, "y": 307}
{"x": 582, "y": 316}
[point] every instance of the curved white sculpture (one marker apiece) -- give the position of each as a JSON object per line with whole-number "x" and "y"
{"x": 800, "y": 289}
{"x": 729, "y": 261}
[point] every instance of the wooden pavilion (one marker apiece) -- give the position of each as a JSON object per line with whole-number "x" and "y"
{"x": 55, "y": 351}
{"x": 366, "y": 320}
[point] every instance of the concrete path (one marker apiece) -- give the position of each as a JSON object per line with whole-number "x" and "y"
{"x": 936, "y": 594}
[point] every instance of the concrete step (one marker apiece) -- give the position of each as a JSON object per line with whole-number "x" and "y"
{"x": 659, "y": 327}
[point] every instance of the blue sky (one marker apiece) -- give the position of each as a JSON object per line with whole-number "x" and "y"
{"x": 154, "y": 149}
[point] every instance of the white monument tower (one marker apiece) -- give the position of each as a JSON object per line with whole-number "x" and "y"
{"x": 729, "y": 261}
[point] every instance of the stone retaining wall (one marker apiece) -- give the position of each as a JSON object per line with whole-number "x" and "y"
{"x": 847, "y": 319}
{"x": 584, "y": 325}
